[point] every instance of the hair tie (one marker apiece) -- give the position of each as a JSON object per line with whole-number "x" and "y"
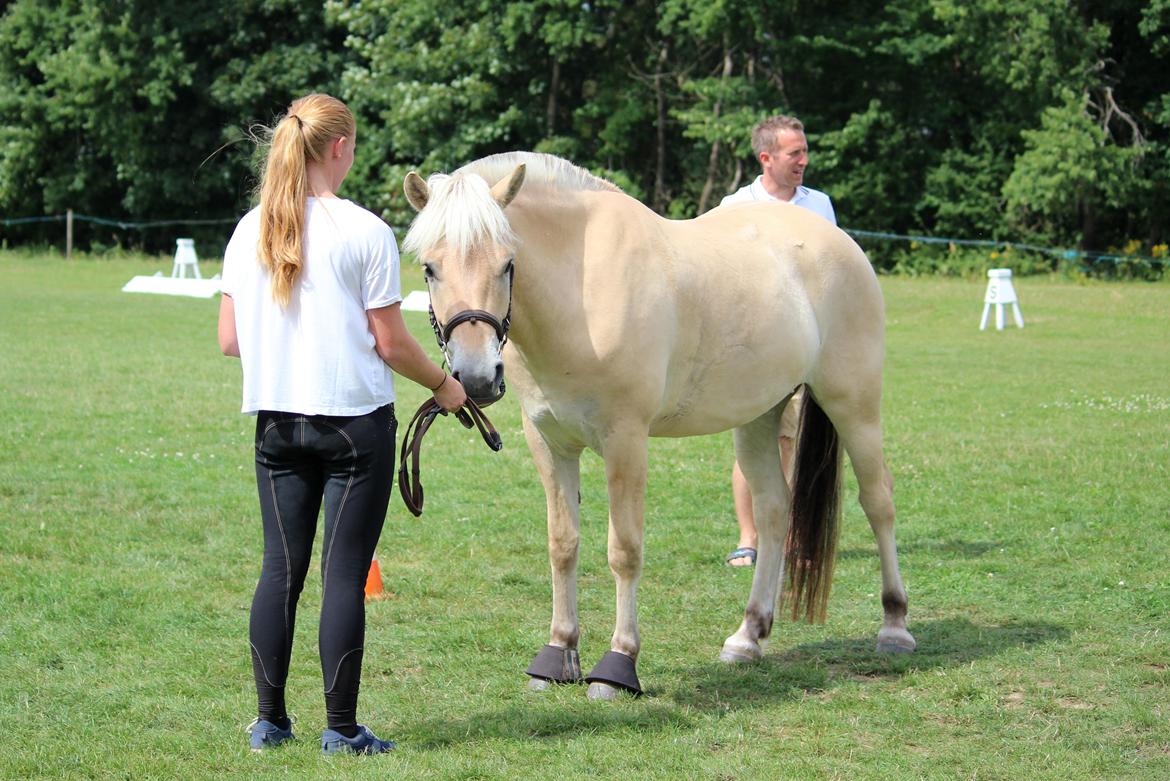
{"x": 300, "y": 123}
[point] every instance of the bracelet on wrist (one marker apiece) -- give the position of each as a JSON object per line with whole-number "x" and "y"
{"x": 441, "y": 383}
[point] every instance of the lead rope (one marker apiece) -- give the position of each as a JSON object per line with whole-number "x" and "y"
{"x": 409, "y": 484}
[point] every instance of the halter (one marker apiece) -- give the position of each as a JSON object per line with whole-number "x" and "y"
{"x": 443, "y": 333}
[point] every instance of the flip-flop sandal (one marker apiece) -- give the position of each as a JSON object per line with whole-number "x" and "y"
{"x": 742, "y": 553}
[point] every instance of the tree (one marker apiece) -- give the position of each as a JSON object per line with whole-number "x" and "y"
{"x": 115, "y": 107}
{"x": 1067, "y": 174}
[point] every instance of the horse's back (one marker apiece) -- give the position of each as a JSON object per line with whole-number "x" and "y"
{"x": 768, "y": 293}
{"x": 755, "y": 237}
{"x": 698, "y": 325}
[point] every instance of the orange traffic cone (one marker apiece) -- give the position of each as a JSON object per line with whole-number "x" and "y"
{"x": 374, "y": 589}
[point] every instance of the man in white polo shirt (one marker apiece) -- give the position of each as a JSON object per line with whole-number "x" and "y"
{"x": 780, "y": 146}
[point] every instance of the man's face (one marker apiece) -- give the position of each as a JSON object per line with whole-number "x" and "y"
{"x": 786, "y": 163}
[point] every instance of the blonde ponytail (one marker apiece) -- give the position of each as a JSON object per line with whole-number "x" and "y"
{"x": 303, "y": 134}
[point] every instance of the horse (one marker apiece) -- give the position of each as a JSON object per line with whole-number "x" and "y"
{"x": 617, "y": 325}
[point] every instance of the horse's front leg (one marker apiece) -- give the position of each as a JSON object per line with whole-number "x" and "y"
{"x": 560, "y": 472}
{"x": 625, "y": 474}
{"x": 758, "y": 453}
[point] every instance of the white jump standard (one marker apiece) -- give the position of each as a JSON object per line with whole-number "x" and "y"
{"x": 1000, "y": 293}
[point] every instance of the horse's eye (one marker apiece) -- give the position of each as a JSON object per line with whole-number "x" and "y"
{"x": 428, "y": 271}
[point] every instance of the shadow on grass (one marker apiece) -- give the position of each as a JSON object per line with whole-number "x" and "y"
{"x": 816, "y": 667}
{"x": 964, "y": 548}
{"x": 545, "y": 719}
{"x": 718, "y": 687}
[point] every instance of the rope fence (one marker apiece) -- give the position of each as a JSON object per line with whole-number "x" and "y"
{"x": 124, "y": 224}
{"x": 70, "y": 217}
{"x": 1068, "y": 255}
{"x": 1063, "y": 254}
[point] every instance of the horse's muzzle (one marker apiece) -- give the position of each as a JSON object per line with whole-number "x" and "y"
{"x": 483, "y": 388}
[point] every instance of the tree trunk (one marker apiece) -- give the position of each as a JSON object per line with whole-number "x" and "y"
{"x": 1088, "y": 223}
{"x": 750, "y": 70}
{"x": 551, "y": 111}
{"x": 713, "y": 158}
{"x": 735, "y": 180}
{"x": 660, "y": 141}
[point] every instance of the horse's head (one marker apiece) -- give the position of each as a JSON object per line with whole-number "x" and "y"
{"x": 466, "y": 248}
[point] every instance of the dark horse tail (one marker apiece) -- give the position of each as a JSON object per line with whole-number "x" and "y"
{"x": 816, "y": 510}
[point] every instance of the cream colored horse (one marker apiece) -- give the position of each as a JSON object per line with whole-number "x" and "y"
{"x": 625, "y": 325}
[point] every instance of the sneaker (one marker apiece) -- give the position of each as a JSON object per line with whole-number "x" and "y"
{"x": 265, "y": 734}
{"x": 365, "y": 742}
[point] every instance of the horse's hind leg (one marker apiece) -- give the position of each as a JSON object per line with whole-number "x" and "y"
{"x": 758, "y": 454}
{"x": 560, "y": 473}
{"x": 860, "y": 431}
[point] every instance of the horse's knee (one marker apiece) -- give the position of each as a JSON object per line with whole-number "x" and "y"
{"x": 625, "y": 562}
{"x": 563, "y": 550}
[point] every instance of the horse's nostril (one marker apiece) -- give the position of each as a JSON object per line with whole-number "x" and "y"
{"x": 499, "y": 374}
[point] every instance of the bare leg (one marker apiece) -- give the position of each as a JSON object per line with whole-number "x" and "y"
{"x": 759, "y": 458}
{"x": 560, "y": 473}
{"x": 743, "y": 516}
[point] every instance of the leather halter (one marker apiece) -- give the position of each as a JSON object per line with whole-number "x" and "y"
{"x": 443, "y": 332}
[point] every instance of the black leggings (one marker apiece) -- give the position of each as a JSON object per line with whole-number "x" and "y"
{"x": 302, "y": 460}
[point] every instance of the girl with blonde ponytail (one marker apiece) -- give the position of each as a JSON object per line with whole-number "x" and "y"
{"x": 311, "y": 307}
{"x": 303, "y": 134}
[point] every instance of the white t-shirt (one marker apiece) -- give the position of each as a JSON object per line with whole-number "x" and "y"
{"x": 315, "y": 357}
{"x": 806, "y": 197}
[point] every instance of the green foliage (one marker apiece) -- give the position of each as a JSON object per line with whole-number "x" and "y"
{"x": 1155, "y": 25}
{"x": 115, "y": 107}
{"x": 951, "y": 260}
{"x": 962, "y": 195}
{"x": 1018, "y": 120}
{"x": 1066, "y": 172}
{"x": 865, "y": 161}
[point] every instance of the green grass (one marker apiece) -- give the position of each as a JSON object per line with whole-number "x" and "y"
{"x": 1032, "y": 489}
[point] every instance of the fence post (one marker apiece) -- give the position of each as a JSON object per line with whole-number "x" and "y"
{"x": 68, "y": 233}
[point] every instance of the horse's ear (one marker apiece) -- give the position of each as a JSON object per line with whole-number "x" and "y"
{"x": 417, "y": 192}
{"x": 505, "y": 189}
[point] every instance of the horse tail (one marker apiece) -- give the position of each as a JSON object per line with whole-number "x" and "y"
{"x": 816, "y": 511}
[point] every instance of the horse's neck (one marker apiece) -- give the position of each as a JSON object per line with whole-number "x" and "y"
{"x": 549, "y": 276}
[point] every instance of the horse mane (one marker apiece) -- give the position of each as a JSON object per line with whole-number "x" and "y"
{"x": 461, "y": 210}
{"x": 541, "y": 170}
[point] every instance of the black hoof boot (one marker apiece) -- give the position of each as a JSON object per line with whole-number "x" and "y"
{"x": 556, "y": 664}
{"x": 617, "y": 670}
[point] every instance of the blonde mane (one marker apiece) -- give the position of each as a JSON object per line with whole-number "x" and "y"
{"x": 461, "y": 210}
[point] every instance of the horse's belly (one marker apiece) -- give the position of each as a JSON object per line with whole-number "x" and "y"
{"x": 719, "y": 401}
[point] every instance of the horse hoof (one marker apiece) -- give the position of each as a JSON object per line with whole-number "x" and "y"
{"x": 737, "y": 652}
{"x": 615, "y": 671}
{"x": 539, "y": 684}
{"x": 555, "y": 664}
{"x": 895, "y": 641}
{"x": 602, "y": 691}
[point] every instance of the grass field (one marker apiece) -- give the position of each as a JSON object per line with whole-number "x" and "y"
{"x": 1032, "y": 475}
